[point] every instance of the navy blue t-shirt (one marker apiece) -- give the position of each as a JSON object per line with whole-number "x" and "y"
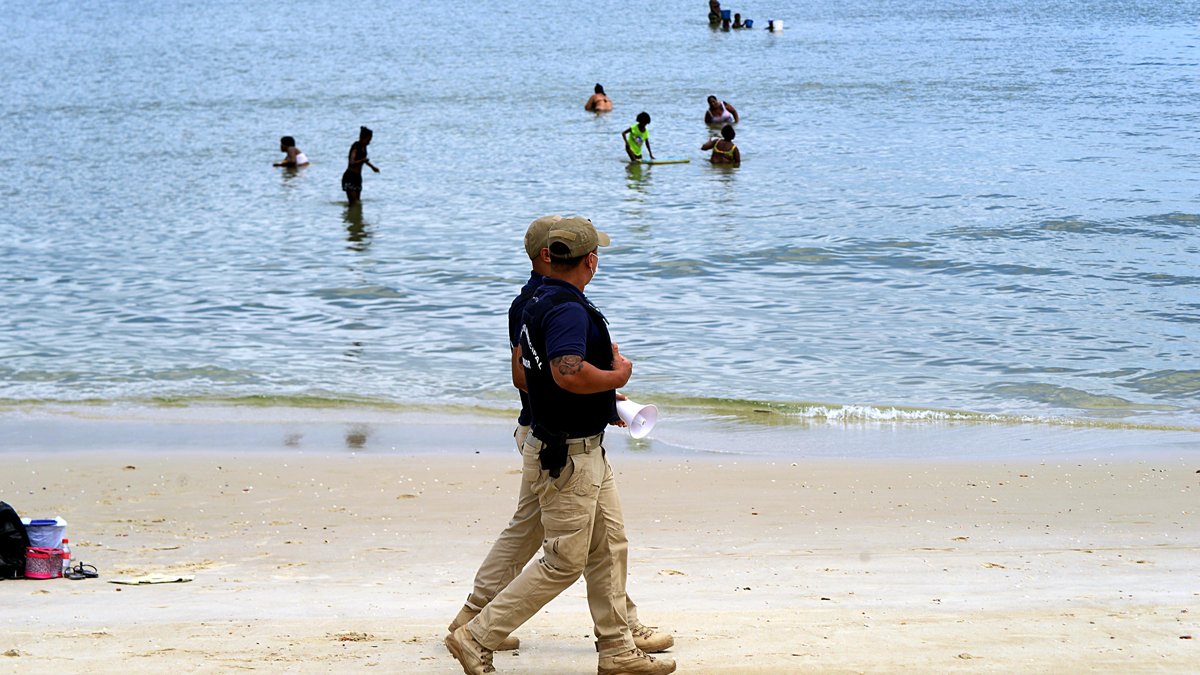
{"x": 514, "y": 334}
{"x": 568, "y": 326}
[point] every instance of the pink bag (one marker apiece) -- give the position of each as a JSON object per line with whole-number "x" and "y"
{"x": 43, "y": 563}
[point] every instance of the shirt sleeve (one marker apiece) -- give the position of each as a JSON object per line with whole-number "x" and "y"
{"x": 566, "y": 330}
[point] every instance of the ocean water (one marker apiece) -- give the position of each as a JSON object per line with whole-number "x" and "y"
{"x": 946, "y": 210}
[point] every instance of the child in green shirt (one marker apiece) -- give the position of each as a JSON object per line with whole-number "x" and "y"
{"x": 636, "y": 136}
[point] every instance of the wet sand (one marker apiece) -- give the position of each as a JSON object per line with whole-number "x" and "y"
{"x": 311, "y": 560}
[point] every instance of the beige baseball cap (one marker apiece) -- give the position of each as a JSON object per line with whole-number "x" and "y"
{"x": 536, "y": 235}
{"x": 574, "y": 236}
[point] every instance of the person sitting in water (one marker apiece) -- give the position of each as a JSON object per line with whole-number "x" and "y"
{"x": 714, "y": 11}
{"x": 724, "y": 151}
{"x": 720, "y": 112}
{"x": 737, "y": 21}
{"x": 599, "y": 102}
{"x": 294, "y": 158}
{"x": 636, "y": 136}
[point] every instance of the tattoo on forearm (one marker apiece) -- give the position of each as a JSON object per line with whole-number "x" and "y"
{"x": 567, "y": 365}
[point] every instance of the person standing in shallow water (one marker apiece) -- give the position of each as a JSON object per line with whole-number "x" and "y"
{"x": 637, "y": 136}
{"x": 714, "y": 11}
{"x": 352, "y": 178}
{"x": 720, "y": 112}
{"x": 724, "y": 151}
{"x": 599, "y": 102}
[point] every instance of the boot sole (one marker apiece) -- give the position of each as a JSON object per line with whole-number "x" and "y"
{"x": 630, "y": 672}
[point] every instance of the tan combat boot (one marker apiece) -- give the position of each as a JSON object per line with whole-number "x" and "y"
{"x": 634, "y": 662}
{"x": 464, "y": 617}
{"x": 474, "y": 658}
{"x": 650, "y": 641}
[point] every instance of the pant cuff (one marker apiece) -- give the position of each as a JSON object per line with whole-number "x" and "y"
{"x": 481, "y": 636}
{"x": 613, "y": 647}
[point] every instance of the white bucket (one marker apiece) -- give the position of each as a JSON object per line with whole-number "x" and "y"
{"x": 639, "y": 418}
{"x": 774, "y": 25}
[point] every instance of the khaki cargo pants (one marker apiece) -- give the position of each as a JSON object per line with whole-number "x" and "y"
{"x": 516, "y": 545}
{"x": 583, "y": 532}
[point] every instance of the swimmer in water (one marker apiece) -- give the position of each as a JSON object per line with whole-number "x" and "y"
{"x": 599, "y": 102}
{"x": 720, "y": 112}
{"x": 294, "y": 158}
{"x": 724, "y": 151}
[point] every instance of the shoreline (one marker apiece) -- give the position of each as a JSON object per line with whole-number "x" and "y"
{"x": 681, "y": 432}
{"x": 320, "y": 557}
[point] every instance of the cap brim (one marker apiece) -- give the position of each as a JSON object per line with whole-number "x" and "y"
{"x": 602, "y": 238}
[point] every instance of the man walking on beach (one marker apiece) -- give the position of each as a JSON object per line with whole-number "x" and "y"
{"x": 572, "y": 370}
{"x": 522, "y": 537}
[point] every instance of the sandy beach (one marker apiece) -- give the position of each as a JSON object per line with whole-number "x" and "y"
{"x": 332, "y": 560}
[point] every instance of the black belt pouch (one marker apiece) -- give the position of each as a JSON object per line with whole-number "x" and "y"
{"x": 553, "y": 456}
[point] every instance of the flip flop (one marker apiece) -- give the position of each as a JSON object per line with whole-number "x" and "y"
{"x": 82, "y": 571}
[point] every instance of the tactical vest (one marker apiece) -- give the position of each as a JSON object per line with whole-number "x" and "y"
{"x": 555, "y": 409}
{"x": 516, "y": 313}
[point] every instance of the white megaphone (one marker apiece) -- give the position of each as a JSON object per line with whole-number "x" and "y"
{"x": 639, "y": 418}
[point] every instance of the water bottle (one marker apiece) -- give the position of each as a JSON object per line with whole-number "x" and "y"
{"x": 66, "y": 558}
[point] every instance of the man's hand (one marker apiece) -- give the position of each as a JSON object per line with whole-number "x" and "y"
{"x": 621, "y": 364}
{"x": 619, "y": 422}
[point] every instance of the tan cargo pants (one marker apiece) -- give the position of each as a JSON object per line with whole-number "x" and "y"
{"x": 583, "y": 533}
{"x": 517, "y": 544}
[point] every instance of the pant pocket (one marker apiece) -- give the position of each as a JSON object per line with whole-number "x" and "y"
{"x": 531, "y": 467}
{"x": 566, "y": 519}
{"x": 586, "y": 479}
{"x": 545, "y": 486}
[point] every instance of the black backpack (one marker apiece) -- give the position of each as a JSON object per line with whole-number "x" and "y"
{"x": 13, "y": 542}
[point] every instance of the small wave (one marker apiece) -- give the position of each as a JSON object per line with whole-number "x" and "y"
{"x": 1176, "y": 383}
{"x": 866, "y": 413}
{"x": 775, "y": 412}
